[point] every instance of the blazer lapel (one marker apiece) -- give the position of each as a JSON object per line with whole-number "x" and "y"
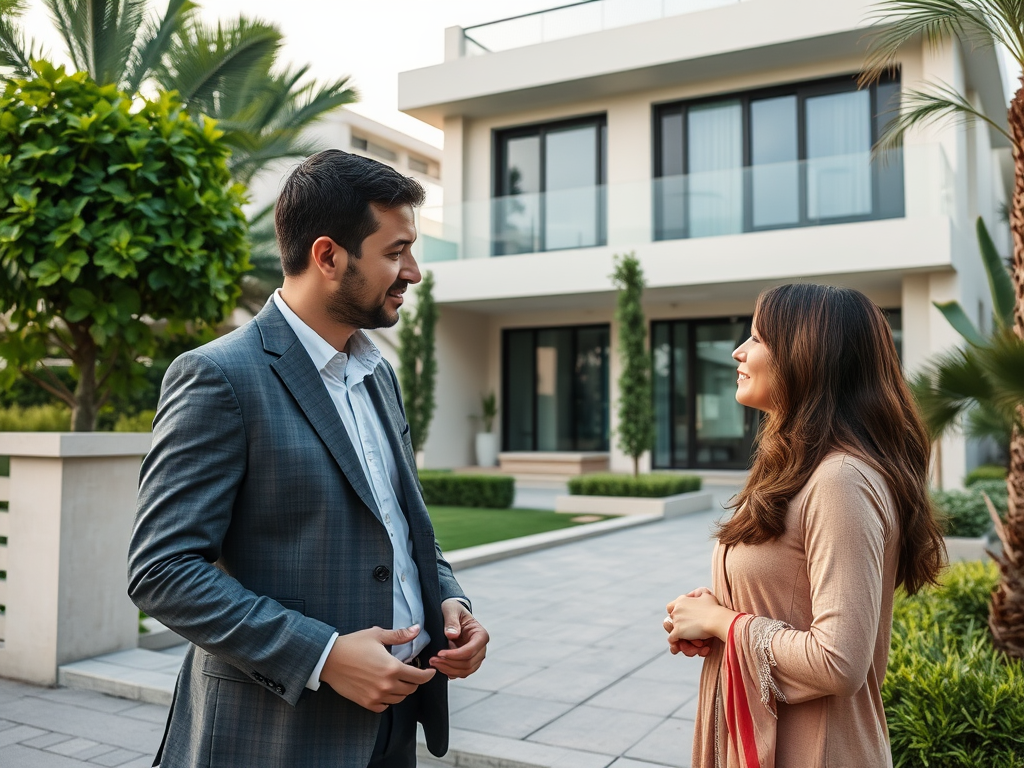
{"x": 386, "y": 401}
{"x": 303, "y": 381}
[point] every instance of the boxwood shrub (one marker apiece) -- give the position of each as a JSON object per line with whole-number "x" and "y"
{"x": 446, "y": 489}
{"x": 648, "y": 486}
{"x": 985, "y": 472}
{"x": 951, "y": 699}
{"x": 963, "y": 513}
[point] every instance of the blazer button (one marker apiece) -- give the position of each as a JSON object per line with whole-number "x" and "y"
{"x": 381, "y": 573}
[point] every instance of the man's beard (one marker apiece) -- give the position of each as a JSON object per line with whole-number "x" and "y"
{"x": 348, "y": 307}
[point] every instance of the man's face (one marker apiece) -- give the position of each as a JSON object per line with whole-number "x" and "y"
{"x": 371, "y": 288}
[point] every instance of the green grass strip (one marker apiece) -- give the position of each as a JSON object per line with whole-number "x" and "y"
{"x": 459, "y": 527}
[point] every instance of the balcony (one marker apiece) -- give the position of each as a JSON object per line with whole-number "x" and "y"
{"x": 915, "y": 182}
{"x": 572, "y": 20}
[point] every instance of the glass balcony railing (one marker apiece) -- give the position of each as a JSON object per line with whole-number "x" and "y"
{"x": 573, "y": 20}
{"x": 914, "y": 182}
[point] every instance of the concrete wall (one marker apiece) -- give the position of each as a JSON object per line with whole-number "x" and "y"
{"x": 72, "y": 500}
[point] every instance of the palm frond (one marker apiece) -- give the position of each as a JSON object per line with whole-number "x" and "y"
{"x": 1002, "y": 362}
{"x": 248, "y": 158}
{"x": 999, "y": 280}
{"x": 16, "y": 51}
{"x": 205, "y": 62}
{"x": 154, "y": 42}
{"x": 926, "y": 106}
{"x": 901, "y": 21}
{"x": 327, "y": 98}
{"x": 71, "y": 18}
{"x": 100, "y": 34}
{"x": 949, "y": 387}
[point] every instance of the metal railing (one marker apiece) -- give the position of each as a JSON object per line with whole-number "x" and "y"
{"x": 574, "y": 19}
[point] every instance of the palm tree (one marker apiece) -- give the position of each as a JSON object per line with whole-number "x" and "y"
{"x": 976, "y": 23}
{"x": 228, "y": 73}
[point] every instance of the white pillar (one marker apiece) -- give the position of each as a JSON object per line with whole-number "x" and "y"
{"x": 71, "y": 503}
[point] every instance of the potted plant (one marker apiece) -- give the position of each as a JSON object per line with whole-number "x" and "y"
{"x": 487, "y": 441}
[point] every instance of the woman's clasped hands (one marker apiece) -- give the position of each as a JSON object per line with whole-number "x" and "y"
{"x": 687, "y": 622}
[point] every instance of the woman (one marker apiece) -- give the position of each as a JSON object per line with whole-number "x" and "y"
{"x": 834, "y": 515}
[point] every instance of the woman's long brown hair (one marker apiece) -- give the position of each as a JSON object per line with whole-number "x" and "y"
{"x": 836, "y": 384}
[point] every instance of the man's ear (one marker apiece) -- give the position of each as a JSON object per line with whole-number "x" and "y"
{"x": 329, "y": 257}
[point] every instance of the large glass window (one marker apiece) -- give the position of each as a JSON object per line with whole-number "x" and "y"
{"x": 715, "y": 149}
{"x": 782, "y": 157}
{"x": 549, "y": 192}
{"x": 555, "y": 389}
{"x": 774, "y": 170}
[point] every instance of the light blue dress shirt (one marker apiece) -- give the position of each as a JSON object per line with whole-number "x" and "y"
{"x": 343, "y": 375}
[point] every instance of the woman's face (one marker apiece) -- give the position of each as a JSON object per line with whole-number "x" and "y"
{"x": 752, "y": 372}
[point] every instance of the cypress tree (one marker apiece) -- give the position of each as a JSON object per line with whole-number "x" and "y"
{"x": 636, "y": 412}
{"x": 417, "y": 368}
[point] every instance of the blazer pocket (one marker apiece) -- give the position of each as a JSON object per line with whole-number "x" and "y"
{"x": 214, "y": 667}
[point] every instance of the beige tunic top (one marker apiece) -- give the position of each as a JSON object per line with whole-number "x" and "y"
{"x": 830, "y": 576}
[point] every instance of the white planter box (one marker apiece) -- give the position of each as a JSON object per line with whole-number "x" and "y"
{"x": 667, "y": 506}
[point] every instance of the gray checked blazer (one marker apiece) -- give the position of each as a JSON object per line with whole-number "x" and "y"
{"x": 256, "y": 538}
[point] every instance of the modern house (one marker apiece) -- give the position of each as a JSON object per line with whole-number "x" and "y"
{"x": 728, "y": 146}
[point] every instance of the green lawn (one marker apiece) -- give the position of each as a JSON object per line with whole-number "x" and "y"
{"x": 458, "y": 527}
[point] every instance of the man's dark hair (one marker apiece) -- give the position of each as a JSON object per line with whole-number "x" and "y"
{"x": 329, "y": 195}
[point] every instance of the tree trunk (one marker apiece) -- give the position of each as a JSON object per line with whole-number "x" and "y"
{"x": 83, "y": 415}
{"x": 1006, "y": 614}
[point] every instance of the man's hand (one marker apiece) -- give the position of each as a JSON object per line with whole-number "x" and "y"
{"x": 467, "y": 642}
{"x": 362, "y": 670}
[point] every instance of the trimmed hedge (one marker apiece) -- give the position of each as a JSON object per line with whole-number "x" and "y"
{"x": 446, "y": 489}
{"x": 963, "y": 513}
{"x": 951, "y": 699}
{"x": 646, "y": 486}
{"x": 35, "y": 418}
{"x": 985, "y": 472}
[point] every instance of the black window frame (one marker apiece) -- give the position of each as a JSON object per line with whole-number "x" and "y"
{"x": 506, "y": 384}
{"x": 802, "y": 90}
{"x": 499, "y": 139}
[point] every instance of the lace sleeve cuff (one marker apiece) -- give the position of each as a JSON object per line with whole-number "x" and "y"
{"x": 762, "y": 630}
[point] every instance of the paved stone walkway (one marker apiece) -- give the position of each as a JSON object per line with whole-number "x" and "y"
{"x": 578, "y": 674}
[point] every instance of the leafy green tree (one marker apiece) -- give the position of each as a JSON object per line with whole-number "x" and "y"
{"x": 227, "y": 72}
{"x": 636, "y": 410}
{"x": 417, "y": 369}
{"x": 113, "y": 212}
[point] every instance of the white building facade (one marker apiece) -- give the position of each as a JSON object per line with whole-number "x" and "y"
{"x": 728, "y": 146}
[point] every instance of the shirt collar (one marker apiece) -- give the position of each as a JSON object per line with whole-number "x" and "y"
{"x": 361, "y": 350}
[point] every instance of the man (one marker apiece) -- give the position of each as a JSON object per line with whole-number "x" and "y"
{"x": 281, "y": 526}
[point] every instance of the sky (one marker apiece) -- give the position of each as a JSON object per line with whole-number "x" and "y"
{"x": 371, "y": 40}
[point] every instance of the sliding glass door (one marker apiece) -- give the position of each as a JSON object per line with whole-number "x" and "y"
{"x": 698, "y": 423}
{"x": 555, "y": 389}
